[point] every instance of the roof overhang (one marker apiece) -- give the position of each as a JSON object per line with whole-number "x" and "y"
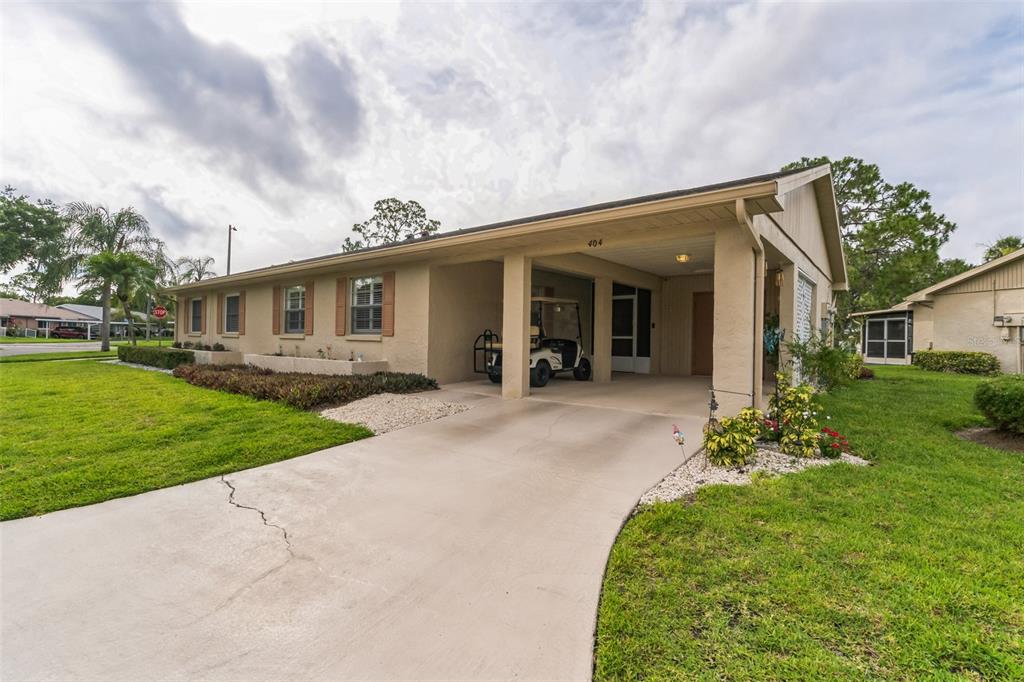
{"x": 761, "y": 196}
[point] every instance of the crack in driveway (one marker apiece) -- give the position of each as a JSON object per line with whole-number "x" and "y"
{"x": 263, "y": 516}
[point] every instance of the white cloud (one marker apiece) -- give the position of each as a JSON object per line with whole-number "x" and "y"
{"x": 289, "y": 121}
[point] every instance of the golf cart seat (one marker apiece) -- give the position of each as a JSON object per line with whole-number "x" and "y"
{"x": 534, "y": 339}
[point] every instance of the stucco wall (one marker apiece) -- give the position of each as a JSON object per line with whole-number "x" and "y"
{"x": 677, "y": 321}
{"x": 406, "y": 351}
{"x": 577, "y": 288}
{"x": 964, "y": 322}
{"x": 464, "y": 301}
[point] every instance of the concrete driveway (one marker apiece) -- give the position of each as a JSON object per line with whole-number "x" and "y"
{"x": 468, "y": 548}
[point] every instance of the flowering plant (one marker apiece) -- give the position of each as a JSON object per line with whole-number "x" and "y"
{"x": 831, "y": 443}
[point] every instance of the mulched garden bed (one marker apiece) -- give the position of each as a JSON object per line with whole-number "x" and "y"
{"x": 994, "y": 438}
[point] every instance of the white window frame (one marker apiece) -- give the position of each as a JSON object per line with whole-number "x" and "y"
{"x": 192, "y": 314}
{"x": 289, "y": 307}
{"x": 238, "y": 313}
{"x": 374, "y": 305}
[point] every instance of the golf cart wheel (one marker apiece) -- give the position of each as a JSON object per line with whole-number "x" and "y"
{"x": 582, "y": 370}
{"x": 495, "y": 378}
{"x": 540, "y": 374}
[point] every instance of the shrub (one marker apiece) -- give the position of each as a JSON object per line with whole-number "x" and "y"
{"x": 165, "y": 358}
{"x": 1001, "y": 400}
{"x": 823, "y": 364}
{"x": 961, "y": 362}
{"x": 219, "y": 347}
{"x": 304, "y": 391}
{"x": 832, "y": 443}
{"x": 730, "y": 441}
{"x": 866, "y": 373}
{"x": 795, "y": 410}
{"x": 187, "y": 344}
{"x": 176, "y": 344}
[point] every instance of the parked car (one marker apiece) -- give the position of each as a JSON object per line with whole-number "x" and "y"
{"x": 67, "y": 333}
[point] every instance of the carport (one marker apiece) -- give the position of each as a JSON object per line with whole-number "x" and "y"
{"x": 677, "y": 287}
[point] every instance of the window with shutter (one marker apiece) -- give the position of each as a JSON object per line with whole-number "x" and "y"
{"x": 367, "y": 297}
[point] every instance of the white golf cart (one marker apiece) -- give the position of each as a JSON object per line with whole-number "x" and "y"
{"x": 556, "y": 343}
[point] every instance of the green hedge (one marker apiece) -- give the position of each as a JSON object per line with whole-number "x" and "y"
{"x": 304, "y": 391}
{"x": 1001, "y": 400}
{"x": 165, "y": 358}
{"x": 961, "y": 362}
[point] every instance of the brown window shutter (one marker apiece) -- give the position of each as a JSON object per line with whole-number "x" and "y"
{"x": 202, "y": 315}
{"x": 241, "y": 313}
{"x": 181, "y": 317}
{"x": 220, "y": 313}
{"x": 275, "y": 315}
{"x": 387, "y": 308}
{"x": 341, "y": 306}
{"x": 308, "y": 331}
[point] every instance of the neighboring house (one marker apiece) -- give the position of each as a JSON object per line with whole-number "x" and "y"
{"x": 36, "y": 316}
{"x": 672, "y": 284}
{"x": 978, "y": 310}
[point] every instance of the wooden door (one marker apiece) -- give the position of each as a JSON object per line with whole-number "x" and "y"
{"x": 703, "y": 333}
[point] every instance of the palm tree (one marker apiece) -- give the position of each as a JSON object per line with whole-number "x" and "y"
{"x": 194, "y": 268}
{"x": 96, "y": 230}
{"x": 1002, "y": 247}
{"x": 128, "y": 275}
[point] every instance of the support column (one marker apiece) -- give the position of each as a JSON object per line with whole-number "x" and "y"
{"x": 759, "y": 329}
{"x": 787, "y": 311}
{"x": 734, "y": 326}
{"x": 602, "y": 360}
{"x": 515, "y": 327}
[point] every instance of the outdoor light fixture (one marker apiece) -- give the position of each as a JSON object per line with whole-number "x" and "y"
{"x": 683, "y": 258}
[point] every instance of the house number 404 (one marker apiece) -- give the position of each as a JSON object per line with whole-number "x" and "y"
{"x": 594, "y": 243}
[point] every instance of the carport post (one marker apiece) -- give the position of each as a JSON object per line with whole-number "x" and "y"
{"x": 602, "y": 360}
{"x": 515, "y": 327}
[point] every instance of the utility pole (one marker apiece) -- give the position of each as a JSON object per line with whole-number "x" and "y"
{"x": 231, "y": 229}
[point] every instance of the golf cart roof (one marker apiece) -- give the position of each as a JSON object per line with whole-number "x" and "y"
{"x": 548, "y": 299}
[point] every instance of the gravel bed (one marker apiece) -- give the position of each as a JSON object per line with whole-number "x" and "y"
{"x": 390, "y": 411}
{"x": 698, "y": 472}
{"x": 137, "y": 366}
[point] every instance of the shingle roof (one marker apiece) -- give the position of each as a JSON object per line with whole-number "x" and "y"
{"x": 647, "y": 198}
{"x": 10, "y": 306}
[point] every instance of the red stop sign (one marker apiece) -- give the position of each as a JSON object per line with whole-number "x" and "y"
{"x": 159, "y": 312}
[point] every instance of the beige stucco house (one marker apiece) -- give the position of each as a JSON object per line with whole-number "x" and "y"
{"x": 674, "y": 284}
{"x": 978, "y": 310}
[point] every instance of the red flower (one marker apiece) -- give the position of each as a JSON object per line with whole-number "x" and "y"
{"x": 835, "y": 445}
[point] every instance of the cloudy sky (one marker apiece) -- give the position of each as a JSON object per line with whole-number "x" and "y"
{"x": 290, "y": 120}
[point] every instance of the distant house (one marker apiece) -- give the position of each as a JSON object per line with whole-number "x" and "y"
{"x": 38, "y": 317}
{"x": 42, "y": 318}
{"x": 978, "y": 310}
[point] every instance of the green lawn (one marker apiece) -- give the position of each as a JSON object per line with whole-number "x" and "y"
{"x": 912, "y": 568}
{"x": 68, "y": 355}
{"x": 38, "y": 339}
{"x": 76, "y": 433}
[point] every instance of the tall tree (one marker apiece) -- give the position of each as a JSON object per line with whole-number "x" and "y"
{"x": 33, "y": 236}
{"x": 194, "y": 268}
{"x": 129, "y": 276}
{"x": 891, "y": 236}
{"x": 1002, "y": 246}
{"x": 96, "y": 230}
{"x": 392, "y": 221}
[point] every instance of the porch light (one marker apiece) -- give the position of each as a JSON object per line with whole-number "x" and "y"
{"x": 683, "y": 258}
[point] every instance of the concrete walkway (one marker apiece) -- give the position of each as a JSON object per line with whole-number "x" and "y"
{"x": 468, "y": 548}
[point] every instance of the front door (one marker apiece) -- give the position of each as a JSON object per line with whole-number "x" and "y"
{"x": 702, "y": 356}
{"x": 631, "y": 329}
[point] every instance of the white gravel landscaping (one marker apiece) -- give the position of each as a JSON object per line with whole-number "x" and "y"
{"x": 137, "y": 366}
{"x": 391, "y": 411}
{"x": 698, "y": 472}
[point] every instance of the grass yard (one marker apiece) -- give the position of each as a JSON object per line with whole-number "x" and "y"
{"x": 69, "y": 355}
{"x": 913, "y": 568}
{"x": 76, "y": 433}
{"x": 35, "y": 339}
